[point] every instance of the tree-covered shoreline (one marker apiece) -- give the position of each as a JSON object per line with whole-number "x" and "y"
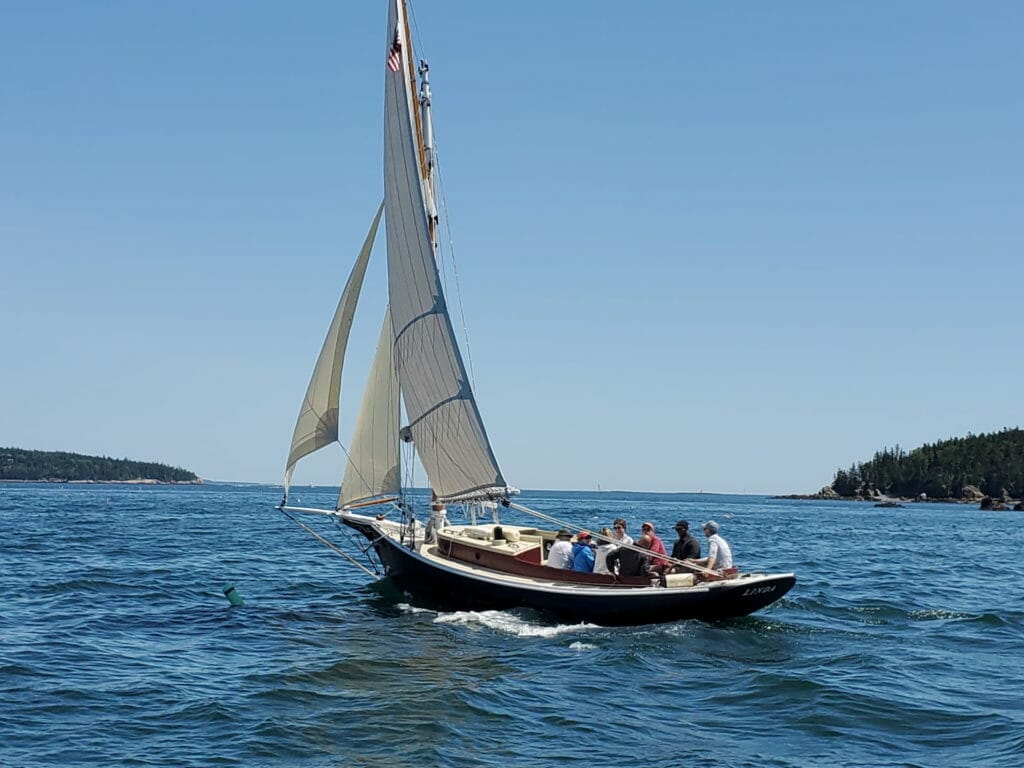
{"x": 958, "y": 469}
{"x": 63, "y": 467}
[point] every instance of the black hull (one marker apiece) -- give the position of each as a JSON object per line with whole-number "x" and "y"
{"x": 453, "y": 589}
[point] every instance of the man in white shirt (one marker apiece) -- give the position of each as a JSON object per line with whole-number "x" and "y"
{"x": 438, "y": 520}
{"x": 719, "y": 553}
{"x": 560, "y": 555}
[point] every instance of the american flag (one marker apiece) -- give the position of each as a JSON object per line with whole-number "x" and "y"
{"x": 395, "y": 54}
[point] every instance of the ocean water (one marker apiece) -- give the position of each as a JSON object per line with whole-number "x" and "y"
{"x": 901, "y": 644}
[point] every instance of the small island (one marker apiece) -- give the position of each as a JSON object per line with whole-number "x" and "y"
{"x": 986, "y": 469}
{"x": 61, "y": 467}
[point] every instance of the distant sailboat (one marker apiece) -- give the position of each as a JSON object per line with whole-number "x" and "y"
{"x": 418, "y": 363}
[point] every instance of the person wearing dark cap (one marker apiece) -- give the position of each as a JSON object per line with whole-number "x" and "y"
{"x": 560, "y": 555}
{"x": 583, "y": 554}
{"x": 719, "y": 552}
{"x": 687, "y": 547}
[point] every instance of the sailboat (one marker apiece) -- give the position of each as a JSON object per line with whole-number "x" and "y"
{"x": 485, "y": 563}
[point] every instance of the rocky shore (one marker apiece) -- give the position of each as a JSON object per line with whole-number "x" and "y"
{"x": 972, "y": 495}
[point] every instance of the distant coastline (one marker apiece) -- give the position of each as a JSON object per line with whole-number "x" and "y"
{"x": 135, "y": 481}
{"x": 25, "y": 466}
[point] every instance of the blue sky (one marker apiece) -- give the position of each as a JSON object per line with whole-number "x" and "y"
{"x": 718, "y": 246}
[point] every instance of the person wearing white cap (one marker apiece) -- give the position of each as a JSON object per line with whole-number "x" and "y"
{"x": 560, "y": 555}
{"x": 719, "y": 553}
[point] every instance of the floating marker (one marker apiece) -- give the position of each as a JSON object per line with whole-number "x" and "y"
{"x": 232, "y": 595}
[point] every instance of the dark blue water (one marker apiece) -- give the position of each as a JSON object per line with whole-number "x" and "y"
{"x": 900, "y": 645}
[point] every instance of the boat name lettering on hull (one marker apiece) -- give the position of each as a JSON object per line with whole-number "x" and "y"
{"x": 758, "y": 590}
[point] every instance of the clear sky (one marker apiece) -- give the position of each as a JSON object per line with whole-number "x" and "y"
{"x": 701, "y": 245}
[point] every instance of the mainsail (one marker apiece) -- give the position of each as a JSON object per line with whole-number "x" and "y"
{"x": 443, "y": 415}
{"x": 317, "y": 424}
{"x": 373, "y": 470}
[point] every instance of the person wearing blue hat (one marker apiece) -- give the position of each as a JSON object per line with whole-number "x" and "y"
{"x": 719, "y": 553}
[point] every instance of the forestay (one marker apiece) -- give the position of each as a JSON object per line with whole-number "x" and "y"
{"x": 373, "y": 462}
{"x": 443, "y": 415}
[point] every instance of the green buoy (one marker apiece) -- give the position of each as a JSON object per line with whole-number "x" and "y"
{"x": 232, "y": 595}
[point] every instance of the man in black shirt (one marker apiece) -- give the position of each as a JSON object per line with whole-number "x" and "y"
{"x": 687, "y": 546}
{"x": 627, "y": 561}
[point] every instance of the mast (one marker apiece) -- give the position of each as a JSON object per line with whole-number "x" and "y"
{"x": 426, "y": 126}
{"x": 444, "y": 420}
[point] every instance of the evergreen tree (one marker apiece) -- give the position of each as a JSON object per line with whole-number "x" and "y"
{"x": 992, "y": 462}
{"x": 18, "y": 464}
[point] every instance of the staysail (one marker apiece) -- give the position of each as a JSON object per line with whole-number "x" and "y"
{"x": 373, "y": 469}
{"x": 443, "y": 414}
{"x": 317, "y": 424}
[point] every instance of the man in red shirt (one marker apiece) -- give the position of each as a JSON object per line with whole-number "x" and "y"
{"x": 657, "y": 548}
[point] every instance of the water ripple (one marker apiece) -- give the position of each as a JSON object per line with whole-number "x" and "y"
{"x": 117, "y": 646}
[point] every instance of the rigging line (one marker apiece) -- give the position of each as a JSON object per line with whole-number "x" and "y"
{"x": 351, "y": 463}
{"x": 410, "y": 474}
{"x": 443, "y": 212}
{"x": 632, "y": 547}
{"x": 407, "y": 523}
{"x": 353, "y": 539}
{"x": 455, "y": 266}
{"x": 354, "y": 466}
{"x": 332, "y": 546}
{"x": 411, "y": 12}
